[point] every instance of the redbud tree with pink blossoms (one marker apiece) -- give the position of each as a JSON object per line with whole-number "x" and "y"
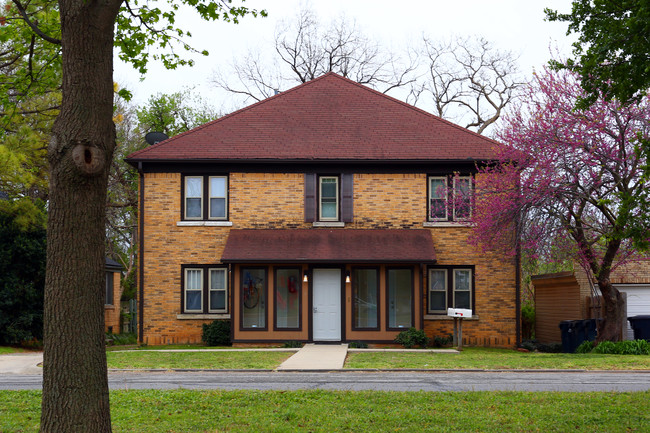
{"x": 570, "y": 179}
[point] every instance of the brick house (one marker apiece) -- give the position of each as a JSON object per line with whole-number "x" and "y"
{"x": 329, "y": 212}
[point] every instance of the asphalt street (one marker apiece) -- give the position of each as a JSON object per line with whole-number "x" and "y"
{"x": 439, "y": 381}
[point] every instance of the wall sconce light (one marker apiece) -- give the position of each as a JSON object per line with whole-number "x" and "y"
{"x": 305, "y": 279}
{"x": 347, "y": 277}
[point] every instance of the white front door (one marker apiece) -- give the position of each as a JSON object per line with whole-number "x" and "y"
{"x": 327, "y": 305}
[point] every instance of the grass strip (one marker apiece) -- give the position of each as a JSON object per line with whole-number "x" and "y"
{"x": 345, "y": 411}
{"x": 489, "y": 358}
{"x": 206, "y": 360}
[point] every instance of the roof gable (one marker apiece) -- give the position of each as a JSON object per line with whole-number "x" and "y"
{"x": 330, "y": 118}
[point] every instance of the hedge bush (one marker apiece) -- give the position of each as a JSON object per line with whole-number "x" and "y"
{"x": 217, "y": 333}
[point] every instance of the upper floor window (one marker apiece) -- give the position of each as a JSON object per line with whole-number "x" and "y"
{"x": 205, "y": 197}
{"x": 450, "y": 198}
{"x": 328, "y": 188}
{"x": 329, "y": 198}
{"x": 109, "y": 289}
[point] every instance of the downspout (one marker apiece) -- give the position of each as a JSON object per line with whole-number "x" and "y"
{"x": 420, "y": 296}
{"x": 518, "y": 294}
{"x": 141, "y": 259}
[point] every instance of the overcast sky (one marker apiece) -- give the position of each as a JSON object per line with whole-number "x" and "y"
{"x": 516, "y": 25}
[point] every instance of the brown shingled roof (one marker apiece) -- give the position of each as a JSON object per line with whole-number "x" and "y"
{"x": 324, "y": 246}
{"x": 329, "y": 118}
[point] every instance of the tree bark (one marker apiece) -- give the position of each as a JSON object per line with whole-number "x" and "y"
{"x": 610, "y": 328}
{"x": 75, "y": 386}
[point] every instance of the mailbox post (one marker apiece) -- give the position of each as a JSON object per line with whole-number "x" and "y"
{"x": 459, "y": 314}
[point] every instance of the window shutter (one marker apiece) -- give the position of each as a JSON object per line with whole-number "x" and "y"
{"x": 310, "y": 197}
{"x": 347, "y": 187}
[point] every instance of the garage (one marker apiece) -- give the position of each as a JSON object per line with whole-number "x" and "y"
{"x": 638, "y": 302}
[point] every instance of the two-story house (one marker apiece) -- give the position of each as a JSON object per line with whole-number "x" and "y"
{"x": 329, "y": 212}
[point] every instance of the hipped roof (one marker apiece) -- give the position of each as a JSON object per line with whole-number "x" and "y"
{"x": 330, "y": 118}
{"x": 329, "y": 246}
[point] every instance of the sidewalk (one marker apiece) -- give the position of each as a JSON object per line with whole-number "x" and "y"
{"x": 21, "y": 363}
{"x": 317, "y": 357}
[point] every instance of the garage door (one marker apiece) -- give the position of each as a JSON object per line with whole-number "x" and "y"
{"x": 638, "y": 302}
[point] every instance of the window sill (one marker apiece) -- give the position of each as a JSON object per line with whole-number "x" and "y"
{"x": 328, "y": 224}
{"x": 448, "y": 224}
{"x": 109, "y": 307}
{"x": 213, "y": 316}
{"x": 204, "y": 224}
{"x": 445, "y": 317}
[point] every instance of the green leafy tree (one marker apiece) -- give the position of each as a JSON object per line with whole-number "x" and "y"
{"x": 612, "y": 53}
{"x": 22, "y": 270}
{"x": 80, "y": 152}
{"x": 175, "y": 113}
{"x": 612, "y": 58}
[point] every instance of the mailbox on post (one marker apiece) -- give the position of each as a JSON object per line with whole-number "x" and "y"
{"x": 459, "y": 314}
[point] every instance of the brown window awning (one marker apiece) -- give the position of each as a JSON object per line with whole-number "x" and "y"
{"x": 329, "y": 246}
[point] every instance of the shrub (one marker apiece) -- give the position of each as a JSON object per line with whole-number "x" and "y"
{"x": 585, "y": 347}
{"x": 528, "y": 319}
{"x": 121, "y": 339}
{"x": 634, "y": 347}
{"x": 292, "y": 344}
{"x": 217, "y": 333}
{"x": 358, "y": 345}
{"x": 530, "y": 345}
{"x": 412, "y": 337}
{"x": 443, "y": 341}
{"x": 550, "y": 348}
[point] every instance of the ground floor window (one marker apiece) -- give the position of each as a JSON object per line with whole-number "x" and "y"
{"x": 205, "y": 289}
{"x": 450, "y": 287}
{"x": 365, "y": 292}
{"x": 399, "y": 283}
{"x": 253, "y": 298}
{"x": 287, "y": 298}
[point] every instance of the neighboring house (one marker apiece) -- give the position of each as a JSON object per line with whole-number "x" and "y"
{"x": 329, "y": 212}
{"x": 569, "y": 296}
{"x": 112, "y": 297}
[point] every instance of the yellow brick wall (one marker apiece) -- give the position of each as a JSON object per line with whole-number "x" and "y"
{"x": 275, "y": 200}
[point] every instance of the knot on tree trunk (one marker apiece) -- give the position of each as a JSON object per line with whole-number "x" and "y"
{"x": 89, "y": 159}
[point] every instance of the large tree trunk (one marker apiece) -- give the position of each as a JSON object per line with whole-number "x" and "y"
{"x": 612, "y": 310}
{"x": 75, "y": 386}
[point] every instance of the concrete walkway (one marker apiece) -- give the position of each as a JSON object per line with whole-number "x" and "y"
{"x": 22, "y": 363}
{"x": 317, "y": 357}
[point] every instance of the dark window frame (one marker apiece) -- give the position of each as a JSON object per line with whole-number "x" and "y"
{"x": 387, "y": 309}
{"x": 450, "y": 287}
{"x": 241, "y": 298}
{"x": 205, "y": 288}
{"x": 312, "y": 204}
{"x": 378, "y": 294}
{"x": 205, "y": 197}
{"x": 275, "y": 298}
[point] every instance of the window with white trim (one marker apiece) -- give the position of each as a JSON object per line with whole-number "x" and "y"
{"x": 205, "y": 289}
{"x": 450, "y": 287}
{"x": 438, "y": 198}
{"x": 328, "y": 204}
{"x": 205, "y": 197}
{"x": 450, "y": 198}
{"x": 462, "y": 198}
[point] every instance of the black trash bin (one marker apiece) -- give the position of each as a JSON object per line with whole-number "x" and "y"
{"x": 567, "y": 327}
{"x": 641, "y": 326}
{"x": 591, "y": 329}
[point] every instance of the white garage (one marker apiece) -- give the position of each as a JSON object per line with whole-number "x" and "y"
{"x": 638, "y": 301}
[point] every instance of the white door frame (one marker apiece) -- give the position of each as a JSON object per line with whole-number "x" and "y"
{"x": 326, "y": 308}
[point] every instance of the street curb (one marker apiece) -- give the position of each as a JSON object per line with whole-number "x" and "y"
{"x": 368, "y": 370}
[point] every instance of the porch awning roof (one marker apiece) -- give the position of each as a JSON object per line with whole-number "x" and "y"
{"x": 329, "y": 246}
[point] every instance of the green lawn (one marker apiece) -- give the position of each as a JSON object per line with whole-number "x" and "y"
{"x": 4, "y": 350}
{"x": 208, "y": 360}
{"x": 486, "y": 358}
{"x": 329, "y": 411}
